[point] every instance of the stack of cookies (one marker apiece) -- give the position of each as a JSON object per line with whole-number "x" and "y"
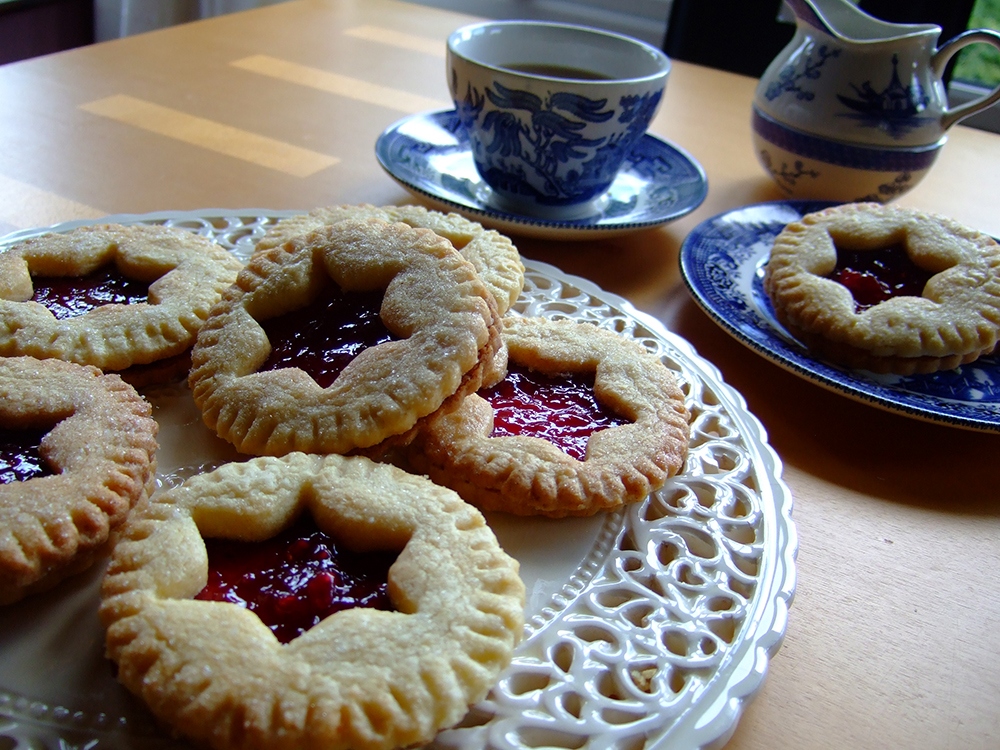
{"x": 444, "y": 287}
{"x": 81, "y": 313}
{"x": 369, "y": 364}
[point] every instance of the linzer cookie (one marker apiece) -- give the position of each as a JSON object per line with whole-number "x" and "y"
{"x": 343, "y": 339}
{"x": 78, "y": 451}
{"x": 887, "y": 289}
{"x": 389, "y": 673}
{"x": 585, "y": 421}
{"x": 493, "y": 255}
{"x": 128, "y": 299}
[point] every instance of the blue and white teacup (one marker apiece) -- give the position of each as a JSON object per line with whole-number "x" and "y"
{"x": 552, "y": 110}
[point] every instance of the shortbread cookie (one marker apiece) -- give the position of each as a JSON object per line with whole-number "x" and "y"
{"x": 440, "y": 326}
{"x": 639, "y": 441}
{"x": 362, "y": 678}
{"x": 887, "y": 289}
{"x": 112, "y": 296}
{"x": 494, "y": 256}
{"x": 61, "y": 498}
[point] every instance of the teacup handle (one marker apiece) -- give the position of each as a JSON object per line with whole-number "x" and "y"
{"x": 940, "y": 59}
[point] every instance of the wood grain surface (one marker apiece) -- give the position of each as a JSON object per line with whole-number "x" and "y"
{"x": 892, "y": 637}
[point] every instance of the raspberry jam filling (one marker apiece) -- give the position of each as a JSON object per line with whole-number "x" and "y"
{"x": 20, "y": 455}
{"x": 322, "y": 338}
{"x": 874, "y": 276}
{"x": 561, "y": 409}
{"x": 70, "y": 296}
{"x": 295, "y": 579}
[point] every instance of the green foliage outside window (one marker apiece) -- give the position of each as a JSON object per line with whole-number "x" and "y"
{"x": 980, "y": 63}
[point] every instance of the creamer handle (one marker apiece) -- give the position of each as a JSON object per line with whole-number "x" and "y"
{"x": 940, "y": 59}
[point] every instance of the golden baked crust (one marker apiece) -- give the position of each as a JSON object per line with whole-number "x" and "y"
{"x": 493, "y": 255}
{"x": 434, "y": 301}
{"x": 955, "y": 320}
{"x": 361, "y": 678}
{"x": 531, "y": 476}
{"x": 188, "y": 274}
{"x": 101, "y": 448}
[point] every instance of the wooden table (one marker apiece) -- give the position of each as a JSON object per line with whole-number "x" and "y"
{"x": 892, "y": 638}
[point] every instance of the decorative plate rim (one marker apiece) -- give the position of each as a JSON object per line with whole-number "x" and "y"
{"x": 712, "y": 718}
{"x": 713, "y": 731}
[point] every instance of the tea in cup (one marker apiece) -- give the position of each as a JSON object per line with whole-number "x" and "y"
{"x": 552, "y": 110}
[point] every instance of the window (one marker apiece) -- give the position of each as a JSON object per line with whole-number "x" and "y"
{"x": 642, "y": 19}
{"x": 977, "y": 68}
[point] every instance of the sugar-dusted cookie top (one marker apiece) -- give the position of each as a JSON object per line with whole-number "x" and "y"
{"x": 111, "y": 296}
{"x": 493, "y": 255}
{"x": 887, "y": 288}
{"x": 441, "y": 330}
{"x": 78, "y": 452}
{"x": 361, "y": 678}
{"x": 637, "y": 438}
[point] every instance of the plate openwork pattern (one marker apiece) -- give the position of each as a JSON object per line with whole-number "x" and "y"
{"x": 662, "y": 632}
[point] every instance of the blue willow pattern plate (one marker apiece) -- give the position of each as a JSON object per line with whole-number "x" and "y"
{"x": 429, "y": 155}
{"x": 722, "y": 263}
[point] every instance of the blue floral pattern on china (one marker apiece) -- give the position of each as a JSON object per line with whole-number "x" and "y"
{"x": 722, "y": 263}
{"x": 895, "y": 109}
{"x": 429, "y": 153}
{"x": 793, "y": 76}
{"x": 538, "y": 149}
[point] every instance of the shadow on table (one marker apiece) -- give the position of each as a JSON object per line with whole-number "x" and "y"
{"x": 630, "y": 265}
{"x": 846, "y": 442}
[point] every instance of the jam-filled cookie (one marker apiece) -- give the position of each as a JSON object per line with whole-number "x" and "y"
{"x": 886, "y": 288}
{"x": 584, "y": 421}
{"x": 341, "y": 339}
{"x": 78, "y": 451}
{"x": 363, "y": 677}
{"x": 128, "y": 299}
{"x": 493, "y": 255}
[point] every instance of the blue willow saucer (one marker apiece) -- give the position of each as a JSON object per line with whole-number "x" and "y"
{"x": 429, "y": 155}
{"x": 722, "y": 263}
